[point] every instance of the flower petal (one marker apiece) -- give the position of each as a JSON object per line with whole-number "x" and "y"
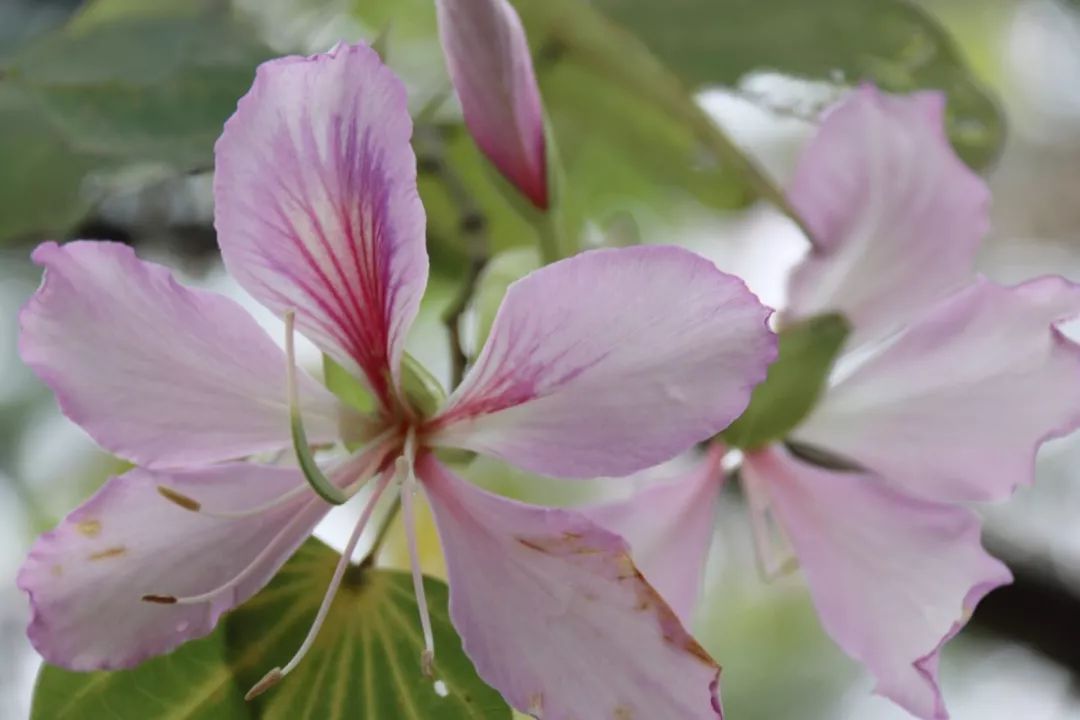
{"x": 86, "y": 578}
{"x": 158, "y": 373}
{"x": 956, "y": 406}
{"x": 611, "y": 362}
{"x": 489, "y": 62}
{"x": 893, "y": 577}
{"x": 556, "y": 617}
{"x": 896, "y": 215}
{"x": 317, "y": 208}
{"x": 670, "y": 527}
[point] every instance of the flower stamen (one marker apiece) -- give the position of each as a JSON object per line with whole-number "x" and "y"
{"x": 772, "y": 548}
{"x": 407, "y": 474}
{"x": 277, "y": 674}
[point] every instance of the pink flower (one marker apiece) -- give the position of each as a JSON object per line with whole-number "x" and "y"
{"x": 491, "y": 68}
{"x": 605, "y": 363}
{"x": 948, "y": 385}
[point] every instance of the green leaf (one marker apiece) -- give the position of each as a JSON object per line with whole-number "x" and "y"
{"x": 894, "y": 43}
{"x": 364, "y": 664}
{"x": 122, "y": 83}
{"x": 794, "y": 383}
{"x": 193, "y": 683}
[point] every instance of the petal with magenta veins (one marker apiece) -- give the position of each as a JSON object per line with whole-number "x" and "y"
{"x": 158, "y": 373}
{"x": 108, "y": 585}
{"x": 892, "y": 577}
{"x": 670, "y": 527}
{"x": 611, "y": 362}
{"x": 317, "y": 209}
{"x": 554, "y": 614}
{"x": 956, "y": 406}
{"x": 488, "y": 57}
{"x": 896, "y": 216}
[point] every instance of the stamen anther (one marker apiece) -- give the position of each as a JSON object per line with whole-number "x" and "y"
{"x": 268, "y": 681}
{"x": 160, "y": 599}
{"x": 179, "y": 498}
{"x": 277, "y": 674}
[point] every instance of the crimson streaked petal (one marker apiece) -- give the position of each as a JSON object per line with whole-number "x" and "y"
{"x": 317, "y": 208}
{"x": 611, "y": 362}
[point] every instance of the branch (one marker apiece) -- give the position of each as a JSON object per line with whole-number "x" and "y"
{"x": 472, "y": 225}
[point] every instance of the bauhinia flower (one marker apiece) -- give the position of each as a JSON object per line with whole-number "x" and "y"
{"x": 601, "y": 364}
{"x": 488, "y": 57}
{"x": 947, "y": 385}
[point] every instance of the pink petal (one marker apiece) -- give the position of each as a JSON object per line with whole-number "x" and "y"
{"x": 670, "y": 527}
{"x": 489, "y": 61}
{"x": 611, "y": 362}
{"x": 317, "y": 208}
{"x": 86, "y": 578}
{"x": 158, "y": 373}
{"x": 896, "y": 215}
{"x": 893, "y": 577}
{"x": 956, "y": 406}
{"x": 556, "y": 617}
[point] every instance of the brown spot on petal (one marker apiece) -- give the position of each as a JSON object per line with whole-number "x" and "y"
{"x": 57, "y": 570}
{"x": 89, "y": 528}
{"x": 532, "y": 545}
{"x": 536, "y": 705}
{"x": 110, "y": 552}
{"x": 622, "y": 712}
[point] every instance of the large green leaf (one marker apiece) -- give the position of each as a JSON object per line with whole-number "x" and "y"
{"x": 365, "y": 664}
{"x": 119, "y": 84}
{"x": 891, "y": 42}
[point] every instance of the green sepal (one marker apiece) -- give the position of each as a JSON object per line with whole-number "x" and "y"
{"x": 348, "y": 388}
{"x": 794, "y": 383}
{"x": 422, "y": 390}
{"x": 498, "y": 275}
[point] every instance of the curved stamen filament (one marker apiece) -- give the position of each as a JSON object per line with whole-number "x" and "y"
{"x": 319, "y": 482}
{"x": 407, "y": 473}
{"x": 363, "y": 465}
{"x": 272, "y": 548}
{"x": 275, "y": 675}
{"x": 772, "y": 549}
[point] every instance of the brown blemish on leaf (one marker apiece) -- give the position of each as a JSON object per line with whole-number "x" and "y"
{"x": 89, "y": 528}
{"x": 110, "y": 552}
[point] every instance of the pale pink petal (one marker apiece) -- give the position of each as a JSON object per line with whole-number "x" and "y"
{"x": 158, "y": 373}
{"x": 87, "y": 578}
{"x": 554, "y": 615}
{"x": 489, "y": 62}
{"x": 892, "y": 577}
{"x": 670, "y": 527}
{"x": 611, "y": 362}
{"x": 956, "y": 407}
{"x": 896, "y": 215}
{"x": 317, "y": 208}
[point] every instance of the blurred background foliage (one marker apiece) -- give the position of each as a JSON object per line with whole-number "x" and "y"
{"x": 673, "y": 120}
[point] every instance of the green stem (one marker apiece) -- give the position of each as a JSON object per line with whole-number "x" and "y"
{"x": 547, "y": 229}
{"x": 384, "y": 532}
